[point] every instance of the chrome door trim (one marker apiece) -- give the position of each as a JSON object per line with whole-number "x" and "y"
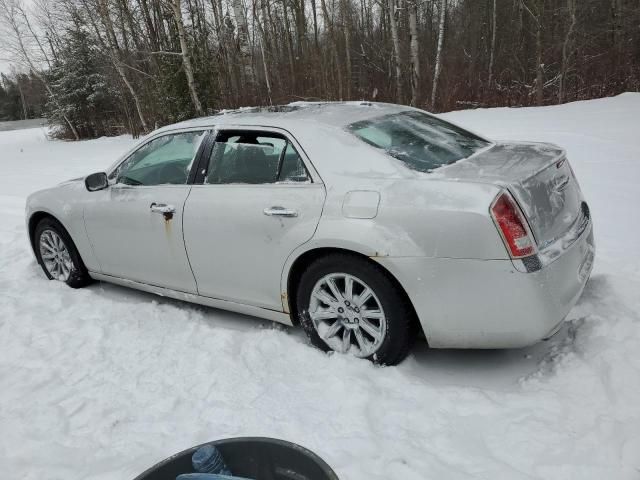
{"x": 251, "y": 310}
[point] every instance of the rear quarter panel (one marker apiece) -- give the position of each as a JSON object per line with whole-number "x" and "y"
{"x": 418, "y": 214}
{"x": 415, "y": 218}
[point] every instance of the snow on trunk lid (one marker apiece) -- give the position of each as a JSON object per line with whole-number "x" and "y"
{"x": 539, "y": 177}
{"x": 551, "y": 200}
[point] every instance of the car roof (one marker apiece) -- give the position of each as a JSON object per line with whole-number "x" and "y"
{"x": 294, "y": 115}
{"x": 312, "y": 124}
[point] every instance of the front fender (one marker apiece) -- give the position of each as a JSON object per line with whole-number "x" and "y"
{"x": 65, "y": 203}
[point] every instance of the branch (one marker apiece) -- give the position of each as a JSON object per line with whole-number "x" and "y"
{"x": 159, "y": 52}
{"x": 135, "y": 69}
{"x": 530, "y": 12}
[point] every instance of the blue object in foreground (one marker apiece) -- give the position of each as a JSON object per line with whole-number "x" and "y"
{"x": 248, "y": 458}
{"x": 208, "y": 459}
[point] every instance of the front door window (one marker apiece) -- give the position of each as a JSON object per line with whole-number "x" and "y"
{"x": 164, "y": 160}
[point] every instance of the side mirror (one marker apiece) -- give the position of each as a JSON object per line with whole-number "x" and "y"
{"x": 96, "y": 181}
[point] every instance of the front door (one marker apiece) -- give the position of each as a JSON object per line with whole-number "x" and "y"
{"x": 135, "y": 225}
{"x": 256, "y": 203}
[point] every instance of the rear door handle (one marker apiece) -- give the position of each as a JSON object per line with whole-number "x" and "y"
{"x": 280, "y": 212}
{"x": 162, "y": 208}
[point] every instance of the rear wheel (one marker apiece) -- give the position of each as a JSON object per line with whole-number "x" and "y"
{"x": 58, "y": 256}
{"x": 349, "y": 305}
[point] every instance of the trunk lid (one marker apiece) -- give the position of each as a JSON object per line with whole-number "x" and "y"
{"x": 540, "y": 178}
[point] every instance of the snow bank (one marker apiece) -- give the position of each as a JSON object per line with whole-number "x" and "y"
{"x": 100, "y": 383}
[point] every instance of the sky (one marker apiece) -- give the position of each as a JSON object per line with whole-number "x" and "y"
{"x": 5, "y": 63}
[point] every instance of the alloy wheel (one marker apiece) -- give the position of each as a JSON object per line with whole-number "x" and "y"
{"x": 55, "y": 255}
{"x": 347, "y": 314}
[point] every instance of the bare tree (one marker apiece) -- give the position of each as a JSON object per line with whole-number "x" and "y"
{"x": 23, "y": 102}
{"x": 186, "y": 56}
{"x": 11, "y": 12}
{"x": 393, "y": 12}
{"x": 347, "y": 43}
{"x": 438, "y": 65}
{"x": 493, "y": 43}
{"x": 414, "y": 48}
{"x": 174, "y": 57}
{"x": 111, "y": 44}
{"x": 334, "y": 46}
{"x": 566, "y": 46}
{"x": 243, "y": 41}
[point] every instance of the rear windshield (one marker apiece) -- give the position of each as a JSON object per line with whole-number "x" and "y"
{"x": 421, "y": 141}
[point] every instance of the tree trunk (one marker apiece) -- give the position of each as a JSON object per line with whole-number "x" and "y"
{"x": 292, "y": 68}
{"x": 414, "y": 48}
{"x": 115, "y": 57}
{"x": 186, "y": 60}
{"x": 223, "y": 52}
{"x": 438, "y": 67}
{"x": 347, "y": 45}
{"x": 243, "y": 40}
{"x": 571, "y": 6}
{"x": 315, "y": 23}
{"x": 266, "y": 72}
{"x": 22, "y": 101}
{"x": 396, "y": 48}
{"x": 539, "y": 66}
{"x": 493, "y": 44}
{"x": 334, "y": 46}
{"x": 263, "y": 41}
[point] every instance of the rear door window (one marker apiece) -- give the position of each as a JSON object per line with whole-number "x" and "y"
{"x": 254, "y": 157}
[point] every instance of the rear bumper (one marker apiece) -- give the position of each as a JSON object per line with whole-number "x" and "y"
{"x": 463, "y": 303}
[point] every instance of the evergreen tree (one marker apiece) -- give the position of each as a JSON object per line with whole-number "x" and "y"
{"x": 83, "y": 90}
{"x": 10, "y": 108}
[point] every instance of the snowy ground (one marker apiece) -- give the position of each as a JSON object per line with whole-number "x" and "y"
{"x": 101, "y": 383}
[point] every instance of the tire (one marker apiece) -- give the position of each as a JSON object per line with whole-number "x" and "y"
{"x": 72, "y": 272}
{"x": 394, "y": 339}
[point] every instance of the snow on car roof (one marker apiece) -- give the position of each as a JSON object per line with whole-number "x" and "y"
{"x": 336, "y": 114}
{"x": 311, "y": 124}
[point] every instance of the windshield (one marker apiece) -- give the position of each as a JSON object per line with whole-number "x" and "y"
{"x": 421, "y": 141}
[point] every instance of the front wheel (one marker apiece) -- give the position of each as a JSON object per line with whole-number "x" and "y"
{"x": 350, "y": 305}
{"x": 58, "y": 256}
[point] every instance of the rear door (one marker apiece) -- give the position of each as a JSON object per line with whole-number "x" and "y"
{"x": 256, "y": 202}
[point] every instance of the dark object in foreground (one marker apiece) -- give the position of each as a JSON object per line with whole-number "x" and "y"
{"x": 252, "y": 457}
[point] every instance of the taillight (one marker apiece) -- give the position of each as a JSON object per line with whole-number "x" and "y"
{"x": 512, "y": 226}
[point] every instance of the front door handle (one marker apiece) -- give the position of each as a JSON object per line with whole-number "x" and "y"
{"x": 162, "y": 208}
{"x": 280, "y": 212}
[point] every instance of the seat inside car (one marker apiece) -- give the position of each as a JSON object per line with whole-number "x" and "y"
{"x": 244, "y": 160}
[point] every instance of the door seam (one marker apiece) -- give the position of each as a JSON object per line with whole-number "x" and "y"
{"x": 184, "y": 240}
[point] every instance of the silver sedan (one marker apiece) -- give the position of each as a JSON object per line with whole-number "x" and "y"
{"x": 368, "y": 224}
